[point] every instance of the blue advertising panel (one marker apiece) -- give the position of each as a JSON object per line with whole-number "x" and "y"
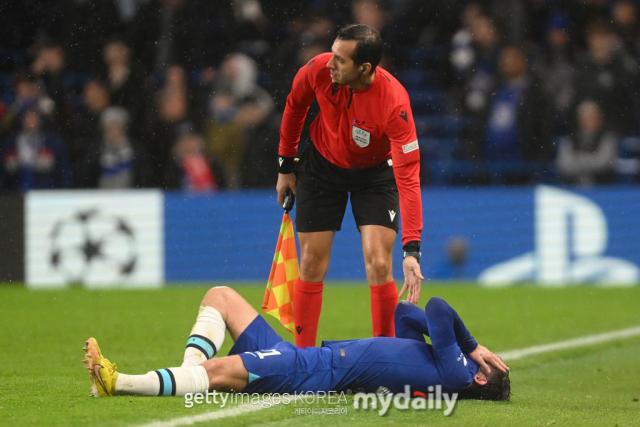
{"x": 497, "y": 236}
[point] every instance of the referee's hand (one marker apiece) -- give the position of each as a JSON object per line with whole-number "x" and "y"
{"x": 285, "y": 182}
{"x": 412, "y": 279}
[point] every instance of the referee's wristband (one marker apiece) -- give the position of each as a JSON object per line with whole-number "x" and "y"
{"x": 412, "y": 249}
{"x": 285, "y": 164}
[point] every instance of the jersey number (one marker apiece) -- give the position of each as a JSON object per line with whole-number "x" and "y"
{"x": 265, "y": 353}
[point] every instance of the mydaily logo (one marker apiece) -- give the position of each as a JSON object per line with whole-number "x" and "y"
{"x": 417, "y": 401}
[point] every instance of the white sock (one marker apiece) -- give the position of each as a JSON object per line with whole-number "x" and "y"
{"x": 207, "y": 336}
{"x": 175, "y": 382}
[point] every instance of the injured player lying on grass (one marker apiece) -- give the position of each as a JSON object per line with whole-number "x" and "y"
{"x": 261, "y": 362}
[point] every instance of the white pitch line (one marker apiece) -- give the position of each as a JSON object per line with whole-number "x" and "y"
{"x": 207, "y": 416}
{"x": 572, "y": 343}
{"x": 507, "y": 355}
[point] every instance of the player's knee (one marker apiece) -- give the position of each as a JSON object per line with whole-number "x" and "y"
{"x": 434, "y": 304}
{"x": 402, "y": 308}
{"x": 218, "y": 296}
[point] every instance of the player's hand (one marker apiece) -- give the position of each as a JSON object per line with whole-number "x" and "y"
{"x": 412, "y": 279}
{"x": 483, "y": 357}
{"x": 285, "y": 182}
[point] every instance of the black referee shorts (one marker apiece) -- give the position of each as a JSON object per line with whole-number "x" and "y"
{"x": 323, "y": 190}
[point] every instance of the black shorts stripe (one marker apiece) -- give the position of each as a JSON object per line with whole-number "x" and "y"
{"x": 161, "y": 382}
{"x": 173, "y": 382}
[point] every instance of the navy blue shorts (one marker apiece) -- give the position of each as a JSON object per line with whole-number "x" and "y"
{"x": 257, "y": 336}
{"x": 276, "y": 366}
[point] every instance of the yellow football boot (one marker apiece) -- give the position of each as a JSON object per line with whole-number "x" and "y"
{"x": 103, "y": 373}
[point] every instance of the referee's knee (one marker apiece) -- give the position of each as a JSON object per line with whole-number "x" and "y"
{"x": 379, "y": 269}
{"x": 313, "y": 267}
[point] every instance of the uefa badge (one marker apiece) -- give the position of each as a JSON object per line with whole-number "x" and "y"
{"x": 360, "y": 136}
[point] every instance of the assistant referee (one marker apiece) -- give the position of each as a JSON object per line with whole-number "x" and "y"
{"x": 364, "y": 145}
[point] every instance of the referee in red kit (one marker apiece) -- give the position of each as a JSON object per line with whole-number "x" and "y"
{"x": 364, "y": 144}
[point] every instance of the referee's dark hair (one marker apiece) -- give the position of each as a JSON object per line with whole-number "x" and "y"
{"x": 368, "y": 46}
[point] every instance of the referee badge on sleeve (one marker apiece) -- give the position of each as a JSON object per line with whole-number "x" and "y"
{"x": 360, "y": 136}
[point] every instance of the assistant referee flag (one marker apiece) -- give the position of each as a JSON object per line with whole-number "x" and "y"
{"x": 278, "y": 297}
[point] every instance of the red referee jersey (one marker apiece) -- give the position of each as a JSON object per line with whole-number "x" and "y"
{"x": 357, "y": 129}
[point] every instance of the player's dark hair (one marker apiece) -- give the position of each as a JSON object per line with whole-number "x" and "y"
{"x": 498, "y": 387}
{"x": 368, "y": 43}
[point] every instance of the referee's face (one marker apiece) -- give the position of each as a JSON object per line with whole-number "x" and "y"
{"x": 342, "y": 68}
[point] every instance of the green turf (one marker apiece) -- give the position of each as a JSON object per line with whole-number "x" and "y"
{"x": 42, "y": 380}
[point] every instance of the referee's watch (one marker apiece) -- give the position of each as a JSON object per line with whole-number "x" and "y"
{"x": 412, "y": 249}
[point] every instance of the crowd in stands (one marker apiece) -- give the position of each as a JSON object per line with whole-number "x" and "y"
{"x": 188, "y": 94}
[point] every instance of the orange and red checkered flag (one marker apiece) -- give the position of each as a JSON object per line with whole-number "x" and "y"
{"x": 278, "y": 297}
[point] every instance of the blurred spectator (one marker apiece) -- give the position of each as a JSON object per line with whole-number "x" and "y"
{"x": 370, "y": 12}
{"x": 128, "y": 8}
{"x": 480, "y": 78}
{"x": 625, "y": 20}
{"x": 517, "y": 128}
{"x": 462, "y": 49}
{"x": 95, "y": 100}
{"x": 125, "y": 82}
{"x": 82, "y": 26}
{"x": 189, "y": 169}
{"x": 166, "y": 32}
{"x": 475, "y": 66}
{"x": 49, "y": 69}
{"x": 251, "y": 27}
{"x": 608, "y": 75}
{"x": 588, "y": 157}
{"x": 35, "y": 158}
{"x": 170, "y": 121}
{"x": 27, "y": 95}
{"x": 143, "y": 55}
{"x": 556, "y": 68}
{"x": 511, "y": 17}
{"x": 115, "y": 161}
{"x": 307, "y": 38}
{"x": 239, "y": 112}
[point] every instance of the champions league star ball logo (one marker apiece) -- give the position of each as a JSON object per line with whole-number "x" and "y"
{"x": 92, "y": 246}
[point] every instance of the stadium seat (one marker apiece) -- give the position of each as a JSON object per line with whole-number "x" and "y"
{"x": 628, "y": 162}
{"x": 76, "y": 80}
{"x": 6, "y": 88}
{"x": 416, "y": 78}
{"x": 439, "y": 126}
{"x": 428, "y": 101}
{"x": 421, "y": 55}
{"x": 12, "y": 59}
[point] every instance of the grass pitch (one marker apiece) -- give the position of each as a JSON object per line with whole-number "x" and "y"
{"x": 42, "y": 380}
